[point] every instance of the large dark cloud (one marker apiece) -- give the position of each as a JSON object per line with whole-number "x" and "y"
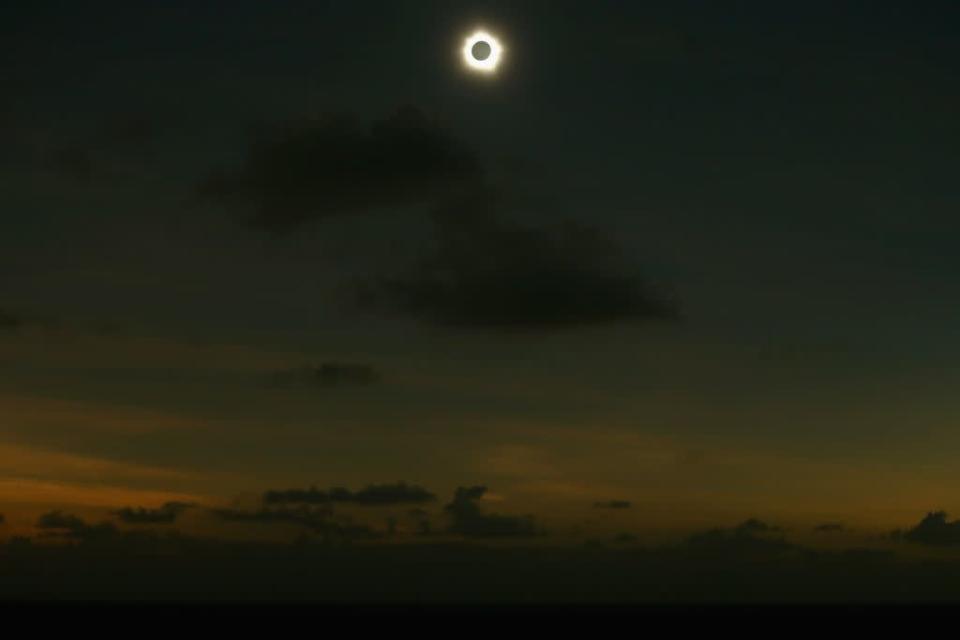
{"x": 485, "y": 272}
{"x": 497, "y": 275}
{"x": 331, "y": 165}
{"x": 934, "y": 530}
{"x": 468, "y": 519}
{"x": 167, "y": 514}
{"x": 371, "y": 496}
{"x": 328, "y": 375}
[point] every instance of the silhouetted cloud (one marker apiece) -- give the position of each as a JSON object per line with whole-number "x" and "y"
{"x": 503, "y": 276}
{"x": 755, "y": 526}
{"x": 318, "y": 520}
{"x": 371, "y": 496}
{"x": 167, "y": 514}
{"x": 10, "y": 321}
{"x": 742, "y": 564}
{"x": 60, "y": 520}
{"x": 829, "y": 527}
{"x": 331, "y": 166}
{"x": 60, "y": 524}
{"x": 166, "y": 567}
{"x": 313, "y": 518}
{"x": 934, "y": 530}
{"x": 104, "y": 151}
{"x": 613, "y": 504}
{"x": 328, "y": 375}
{"x": 421, "y": 519}
{"x": 72, "y": 160}
{"x": 3, "y": 519}
{"x": 467, "y": 519}
{"x": 745, "y": 539}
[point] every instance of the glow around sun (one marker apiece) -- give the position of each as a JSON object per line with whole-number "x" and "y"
{"x": 480, "y": 58}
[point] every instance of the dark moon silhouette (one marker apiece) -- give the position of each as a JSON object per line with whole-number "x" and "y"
{"x": 481, "y": 51}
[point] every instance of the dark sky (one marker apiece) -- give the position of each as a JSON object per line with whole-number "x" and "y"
{"x": 673, "y": 266}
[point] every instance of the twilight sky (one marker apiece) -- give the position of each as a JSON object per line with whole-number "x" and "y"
{"x": 675, "y": 266}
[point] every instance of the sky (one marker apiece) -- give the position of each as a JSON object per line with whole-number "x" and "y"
{"x": 289, "y": 271}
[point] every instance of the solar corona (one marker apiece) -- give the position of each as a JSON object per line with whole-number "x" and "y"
{"x": 482, "y": 52}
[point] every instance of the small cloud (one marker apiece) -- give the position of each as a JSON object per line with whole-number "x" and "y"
{"x": 748, "y": 538}
{"x": 613, "y": 504}
{"x": 60, "y": 520}
{"x": 328, "y": 375}
{"x": 109, "y": 150}
{"x": 934, "y": 530}
{"x": 63, "y": 525}
{"x": 318, "y": 520}
{"x": 830, "y": 527}
{"x": 470, "y": 521}
{"x": 753, "y": 526}
{"x": 167, "y": 514}
{"x": 10, "y": 321}
{"x": 421, "y": 520}
{"x": 312, "y": 518}
{"x": 371, "y": 496}
{"x": 71, "y": 160}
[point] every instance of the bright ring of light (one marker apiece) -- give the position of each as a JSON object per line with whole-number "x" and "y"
{"x": 493, "y": 60}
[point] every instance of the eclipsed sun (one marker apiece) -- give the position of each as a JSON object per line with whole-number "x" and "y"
{"x": 482, "y": 52}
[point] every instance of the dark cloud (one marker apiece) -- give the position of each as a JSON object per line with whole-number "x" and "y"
{"x": 70, "y": 160}
{"x": 312, "y": 518}
{"x": 753, "y": 525}
{"x": 830, "y": 527}
{"x": 328, "y": 375}
{"x": 935, "y": 531}
{"x": 467, "y": 519}
{"x": 178, "y": 568}
{"x": 331, "y": 165}
{"x": 747, "y": 538}
{"x": 106, "y": 151}
{"x": 318, "y": 520}
{"x": 495, "y": 275}
{"x": 371, "y": 496}
{"x": 14, "y": 321}
{"x": 129, "y": 134}
{"x": 613, "y": 504}
{"x": 10, "y": 321}
{"x": 3, "y": 519}
{"x": 60, "y": 520}
{"x": 167, "y": 514}
{"x": 421, "y": 520}
{"x": 63, "y": 525}
{"x": 743, "y": 564}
